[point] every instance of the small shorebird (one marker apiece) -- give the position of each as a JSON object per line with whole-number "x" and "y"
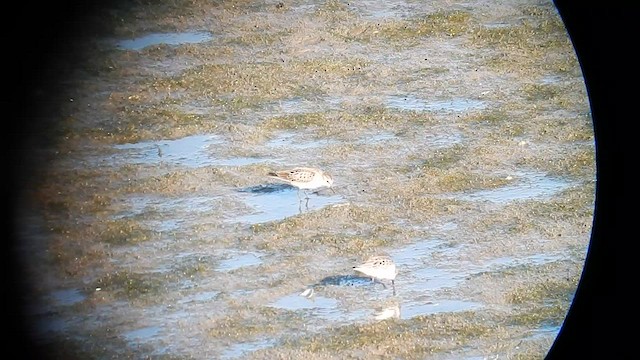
{"x": 304, "y": 178}
{"x": 379, "y": 268}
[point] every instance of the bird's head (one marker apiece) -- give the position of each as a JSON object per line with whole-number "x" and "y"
{"x": 328, "y": 180}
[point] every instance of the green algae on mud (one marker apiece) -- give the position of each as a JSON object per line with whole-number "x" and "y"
{"x": 442, "y": 23}
{"x": 412, "y": 338}
{"x": 398, "y": 190}
{"x": 125, "y": 232}
{"x": 244, "y": 322}
{"x": 129, "y": 285}
{"x": 313, "y": 230}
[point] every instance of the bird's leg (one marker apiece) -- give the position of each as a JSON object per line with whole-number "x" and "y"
{"x": 306, "y": 204}
{"x": 394, "y": 287}
{"x": 374, "y": 281}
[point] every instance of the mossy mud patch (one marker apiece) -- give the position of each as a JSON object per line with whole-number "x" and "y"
{"x": 459, "y": 138}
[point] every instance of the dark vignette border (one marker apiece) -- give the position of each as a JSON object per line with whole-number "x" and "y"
{"x": 591, "y": 328}
{"x": 39, "y": 51}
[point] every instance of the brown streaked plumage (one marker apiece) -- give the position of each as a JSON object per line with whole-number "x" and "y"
{"x": 379, "y": 267}
{"x": 304, "y": 178}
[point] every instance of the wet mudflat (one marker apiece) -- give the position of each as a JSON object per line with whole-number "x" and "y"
{"x": 460, "y": 142}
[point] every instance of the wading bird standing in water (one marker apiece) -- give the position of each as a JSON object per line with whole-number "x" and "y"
{"x": 379, "y": 268}
{"x": 304, "y": 178}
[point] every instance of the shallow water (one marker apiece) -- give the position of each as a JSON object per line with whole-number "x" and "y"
{"x": 386, "y": 9}
{"x": 68, "y": 297}
{"x": 221, "y": 255}
{"x": 443, "y": 106}
{"x": 527, "y": 185}
{"x": 140, "y": 335}
{"x": 421, "y": 284}
{"x": 292, "y": 140}
{"x": 166, "y": 38}
{"x": 285, "y": 201}
{"x": 240, "y": 349}
{"x": 237, "y": 261}
{"x": 190, "y": 151}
